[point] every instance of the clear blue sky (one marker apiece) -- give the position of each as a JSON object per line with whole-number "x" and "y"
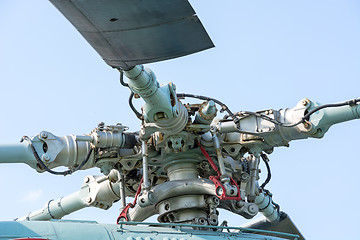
{"x": 269, "y": 54}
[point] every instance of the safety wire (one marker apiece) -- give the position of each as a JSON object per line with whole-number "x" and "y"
{"x": 43, "y": 166}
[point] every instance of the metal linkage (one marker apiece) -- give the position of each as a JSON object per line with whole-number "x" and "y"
{"x": 305, "y": 118}
{"x": 123, "y": 216}
{"x": 223, "y": 106}
{"x": 44, "y": 167}
{"x": 222, "y": 189}
{"x": 97, "y": 192}
{"x": 145, "y": 155}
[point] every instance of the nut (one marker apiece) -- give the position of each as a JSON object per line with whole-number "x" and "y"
{"x": 43, "y": 135}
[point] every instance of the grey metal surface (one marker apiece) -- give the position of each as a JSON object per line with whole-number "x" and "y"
{"x": 71, "y": 230}
{"x": 285, "y": 225}
{"x": 130, "y": 32}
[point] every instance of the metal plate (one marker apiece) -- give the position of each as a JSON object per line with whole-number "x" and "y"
{"x": 130, "y": 32}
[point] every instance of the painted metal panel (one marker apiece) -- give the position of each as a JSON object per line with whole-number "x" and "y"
{"x": 71, "y": 230}
{"x": 131, "y": 32}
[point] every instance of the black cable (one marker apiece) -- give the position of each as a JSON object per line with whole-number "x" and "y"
{"x": 138, "y": 115}
{"x": 223, "y": 106}
{"x": 352, "y": 102}
{"x": 43, "y": 166}
{"x": 268, "y": 178}
{"x": 304, "y": 118}
{"x": 122, "y": 79}
{"x": 266, "y": 160}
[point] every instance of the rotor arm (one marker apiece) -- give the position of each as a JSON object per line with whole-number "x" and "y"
{"x": 98, "y": 192}
{"x": 46, "y": 151}
{"x": 51, "y": 150}
{"x": 17, "y": 153}
{"x": 272, "y": 128}
{"x": 320, "y": 121}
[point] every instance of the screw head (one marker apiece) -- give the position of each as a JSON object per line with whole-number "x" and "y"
{"x": 304, "y": 102}
{"x": 88, "y": 200}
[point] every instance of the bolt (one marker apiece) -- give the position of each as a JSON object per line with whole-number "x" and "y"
{"x": 307, "y": 125}
{"x": 43, "y": 135}
{"x": 252, "y": 208}
{"x": 88, "y": 200}
{"x": 244, "y": 176}
{"x": 304, "y": 102}
{"x": 219, "y": 191}
{"x": 216, "y": 200}
{"x": 209, "y": 108}
{"x": 240, "y": 204}
{"x": 136, "y": 96}
{"x": 46, "y": 157}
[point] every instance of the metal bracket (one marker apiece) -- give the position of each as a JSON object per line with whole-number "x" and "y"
{"x": 223, "y": 196}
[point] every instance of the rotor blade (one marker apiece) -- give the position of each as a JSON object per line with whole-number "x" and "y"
{"x": 130, "y": 32}
{"x": 285, "y": 225}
